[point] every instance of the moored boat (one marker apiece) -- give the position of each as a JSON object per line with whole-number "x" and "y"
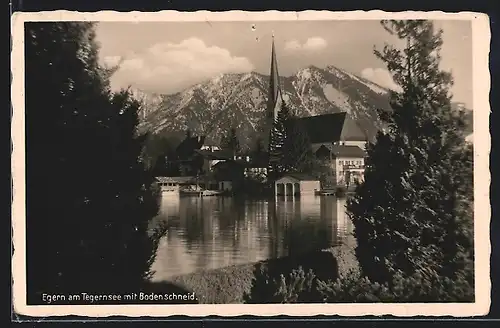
{"x": 197, "y": 191}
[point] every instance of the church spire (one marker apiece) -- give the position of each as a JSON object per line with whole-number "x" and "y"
{"x": 275, "y": 97}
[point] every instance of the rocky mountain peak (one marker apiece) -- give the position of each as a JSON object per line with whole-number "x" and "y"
{"x": 214, "y": 106}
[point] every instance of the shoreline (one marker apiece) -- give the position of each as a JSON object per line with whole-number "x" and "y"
{"x": 233, "y": 284}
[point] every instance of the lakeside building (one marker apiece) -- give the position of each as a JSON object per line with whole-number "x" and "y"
{"x": 296, "y": 184}
{"x": 172, "y": 185}
{"x": 347, "y": 163}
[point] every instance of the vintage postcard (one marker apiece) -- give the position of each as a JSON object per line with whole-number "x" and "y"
{"x": 251, "y": 163}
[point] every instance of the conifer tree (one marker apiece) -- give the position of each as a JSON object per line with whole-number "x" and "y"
{"x": 297, "y": 153}
{"x": 89, "y": 199}
{"x": 277, "y": 142}
{"x": 413, "y": 213}
{"x": 259, "y": 147}
{"x": 231, "y": 142}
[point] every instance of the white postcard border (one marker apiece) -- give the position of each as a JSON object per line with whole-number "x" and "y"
{"x": 481, "y": 36}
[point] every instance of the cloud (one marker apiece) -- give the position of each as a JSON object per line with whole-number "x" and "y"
{"x": 315, "y": 44}
{"x": 381, "y": 77}
{"x": 169, "y": 68}
{"x": 311, "y": 44}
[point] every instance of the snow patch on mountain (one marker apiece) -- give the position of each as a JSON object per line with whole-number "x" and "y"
{"x": 338, "y": 73}
{"x": 337, "y": 97}
{"x": 376, "y": 88}
{"x": 240, "y": 100}
{"x": 257, "y": 97}
{"x": 304, "y": 74}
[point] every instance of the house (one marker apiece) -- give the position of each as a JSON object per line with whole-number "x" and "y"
{"x": 228, "y": 174}
{"x": 295, "y": 184}
{"x": 333, "y": 129}
{"x": 210, "y": 147}
{"x": 212, "y": 157}
{"x": 347, "y": 163}
{"x": 254, "y": 166}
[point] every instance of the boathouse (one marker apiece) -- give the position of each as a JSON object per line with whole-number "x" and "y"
{"x": 296, "y": 184}
{"x": 173, "y": 184}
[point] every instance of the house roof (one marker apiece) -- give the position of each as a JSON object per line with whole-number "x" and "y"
{"x": 191, "y": 143}
{"x": 299, "y": 176}
{"x": 227, "y": 170}
{"x": 217, "y": 154}
{"x": 345, "y": 151}
{"x": 331, "y": 128}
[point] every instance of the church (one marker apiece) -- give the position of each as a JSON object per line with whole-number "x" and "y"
{"x": 335, "y": 138}
{"x": 336, "y": 141}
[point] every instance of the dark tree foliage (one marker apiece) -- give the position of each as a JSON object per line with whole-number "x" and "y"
{"x": 259, "y": 148}
{"x": 231, "y": 142}
{"x": 297, "y": 152}
{"x": 414, "y": 213}
{"x": 290, "y": 147}
{"x": 277, "y": 142}
{"x": 89, "y": 199}
{"x": 159, "y": 146}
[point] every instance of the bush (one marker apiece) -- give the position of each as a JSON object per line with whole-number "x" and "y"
{"x": 298, "y": 286}
{"x": 301, "y": 287}
{"x": 352, "y": 288}
{"x": 415, "y": 288}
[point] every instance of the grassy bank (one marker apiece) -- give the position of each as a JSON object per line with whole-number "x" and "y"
{"x": 235, "y": 284}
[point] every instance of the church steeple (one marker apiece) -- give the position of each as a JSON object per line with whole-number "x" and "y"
{"x": 275, "y": 97}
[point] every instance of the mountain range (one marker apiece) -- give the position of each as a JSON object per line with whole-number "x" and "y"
{"x": 226, "y": 101}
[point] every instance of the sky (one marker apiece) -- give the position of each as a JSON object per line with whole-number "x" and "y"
{"x": 167, "y": 57}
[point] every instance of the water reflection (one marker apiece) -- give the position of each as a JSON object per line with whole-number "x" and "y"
{"x": 213, "y": 232}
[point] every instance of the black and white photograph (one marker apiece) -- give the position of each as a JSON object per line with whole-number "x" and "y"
{"x": 321, "y": 162}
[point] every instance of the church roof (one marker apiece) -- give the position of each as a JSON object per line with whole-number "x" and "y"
{"x": 323, "y": 128}
{"x": 330, "y": 128}
{"x": 345, "y": 151}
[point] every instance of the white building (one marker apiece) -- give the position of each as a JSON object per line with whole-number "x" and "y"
{"x": 296, "y": 185}
{"x": 347, "y": 162}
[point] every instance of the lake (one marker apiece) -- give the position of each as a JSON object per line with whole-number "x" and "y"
{"x": 214, "y": 232}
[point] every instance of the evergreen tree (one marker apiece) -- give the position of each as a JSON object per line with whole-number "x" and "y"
{"x": 277, "y": 142}
{"x": 162, "y": 144}
{"x": 297, "y": 154}
{"x": 160, "y": 168}
{"x": 231, "y": 142}
{"x": 413, "y": 213}
{"x": 89, "y": 199}
{"x": 259, "y": 147}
